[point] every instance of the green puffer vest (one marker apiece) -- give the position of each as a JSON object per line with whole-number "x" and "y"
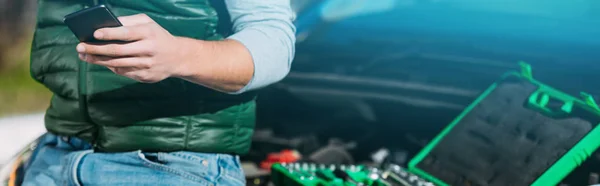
{"x": 118, "y": 114}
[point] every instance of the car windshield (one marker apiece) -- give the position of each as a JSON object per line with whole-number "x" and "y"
{"x": 552, "y": 20}
{"x": 332, "y": 10}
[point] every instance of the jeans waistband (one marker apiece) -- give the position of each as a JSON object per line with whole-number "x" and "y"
{"x": 75, "y": 142}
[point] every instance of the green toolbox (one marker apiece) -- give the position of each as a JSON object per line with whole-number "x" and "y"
{"x": 517, "y": 132}
{"x": 308, "y": 174}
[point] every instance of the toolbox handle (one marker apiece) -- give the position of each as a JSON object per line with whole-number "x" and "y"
{"x": 540, "y": 101}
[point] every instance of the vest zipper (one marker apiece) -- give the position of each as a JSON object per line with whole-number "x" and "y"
{"x": 83, "y": 106}
{"x": 83, "y": 90}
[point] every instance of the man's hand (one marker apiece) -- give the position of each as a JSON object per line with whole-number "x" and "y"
{"x": 149, "y": 53}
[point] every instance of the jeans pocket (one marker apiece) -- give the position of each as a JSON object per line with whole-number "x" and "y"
{"x": 158, "y": 162}
{"x": 232, "y": 173}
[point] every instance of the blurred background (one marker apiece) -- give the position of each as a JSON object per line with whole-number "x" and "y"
{"x": 19, "y": 93}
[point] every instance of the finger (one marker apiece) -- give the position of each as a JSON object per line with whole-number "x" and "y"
{"x": 113, "y": 50}
{"x": 90, "y": 58}
{"x": 124, "y": 70}
{"x": 136, "y": 19}
{"x": 128, "y": 62}
{"x": 114, "y": 70}
{"x": 124, "y": 33}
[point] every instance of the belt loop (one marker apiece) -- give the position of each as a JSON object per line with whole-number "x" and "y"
{"x": 95, "y": 148}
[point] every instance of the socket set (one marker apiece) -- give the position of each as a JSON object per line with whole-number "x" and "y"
{"x": 307, "y": 174}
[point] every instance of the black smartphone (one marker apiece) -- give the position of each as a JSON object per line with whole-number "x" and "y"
{"x": 84, "y": 23}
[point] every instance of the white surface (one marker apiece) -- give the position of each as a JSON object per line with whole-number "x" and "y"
{"x": 18, "y": 131}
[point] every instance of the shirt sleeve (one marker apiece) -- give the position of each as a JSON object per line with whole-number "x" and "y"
{"x": 265, "y": 28}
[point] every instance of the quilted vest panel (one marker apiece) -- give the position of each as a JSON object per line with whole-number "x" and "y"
{"x": 119, "y": 114}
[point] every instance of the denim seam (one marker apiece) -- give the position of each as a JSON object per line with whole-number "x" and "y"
{"x": 238, "y": 167}
{"x": 70, "y": 170}
{"x": 75, "y": 166}
{"x": 234, "y": 179}
{"x": 220, "y": 169}
{"x": 188, "y": 157}
{"x": 165, "y": 168}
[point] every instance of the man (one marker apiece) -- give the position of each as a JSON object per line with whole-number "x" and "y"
{"x": 172, "y": 106}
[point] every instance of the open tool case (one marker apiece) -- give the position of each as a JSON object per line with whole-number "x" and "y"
{"x": 313, "y": 175}
{"x": 518, "y": 132}
{"x": 304, "y": 174}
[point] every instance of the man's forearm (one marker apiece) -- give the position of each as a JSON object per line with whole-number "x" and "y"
{"x": 258, "y": 54}
{"x": 225, "y": 66}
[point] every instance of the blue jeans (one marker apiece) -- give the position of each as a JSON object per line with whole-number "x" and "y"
{"x": 70, "y": 161}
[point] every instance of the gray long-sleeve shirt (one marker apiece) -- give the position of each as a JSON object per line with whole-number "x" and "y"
{"x": 265, "y": 28}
